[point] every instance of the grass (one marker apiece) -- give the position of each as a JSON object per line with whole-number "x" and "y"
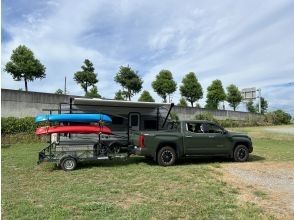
{"x": 132, "y": 189}
{"x": 260, "y": 194}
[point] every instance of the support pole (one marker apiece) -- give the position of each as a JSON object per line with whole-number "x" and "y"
{"x": 64, "y": 85}
{"x": 259, "y": 97}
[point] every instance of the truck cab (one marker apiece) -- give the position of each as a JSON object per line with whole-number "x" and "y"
{"x": 190, "y": 139}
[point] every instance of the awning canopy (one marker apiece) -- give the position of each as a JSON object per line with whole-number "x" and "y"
{"x": 116, "y": 103}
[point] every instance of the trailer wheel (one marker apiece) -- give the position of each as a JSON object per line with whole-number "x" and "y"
{"x": 68, "y": 164}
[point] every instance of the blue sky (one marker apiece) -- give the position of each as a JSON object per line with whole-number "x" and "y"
{"x": 247, "y": 43}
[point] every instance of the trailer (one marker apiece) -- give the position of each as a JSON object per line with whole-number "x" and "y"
{"x": 67, "y": 150}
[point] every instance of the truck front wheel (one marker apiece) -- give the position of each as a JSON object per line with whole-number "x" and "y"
{"x": 241, "y": 153}
{"x": 166, "y": 156}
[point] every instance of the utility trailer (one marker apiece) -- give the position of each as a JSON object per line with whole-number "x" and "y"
{"x": 67, "y": 150}
{"x": 67, "y": 154}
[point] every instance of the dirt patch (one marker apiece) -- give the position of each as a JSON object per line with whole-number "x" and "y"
{"x": 270, "y": 185}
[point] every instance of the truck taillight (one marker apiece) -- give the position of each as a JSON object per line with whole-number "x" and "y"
{"x": 141, "y": 140}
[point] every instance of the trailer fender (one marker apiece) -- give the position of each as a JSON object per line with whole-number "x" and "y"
{"x": 66, "y": 156}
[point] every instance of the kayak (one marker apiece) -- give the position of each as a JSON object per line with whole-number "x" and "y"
{"x": 73, "y": 118}
{"x": 74, "y": 129}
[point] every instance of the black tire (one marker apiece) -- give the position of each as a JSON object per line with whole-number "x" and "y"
{"x": 241, "y": 153}
{"x": 166, "y": 156}
{"x": 68, "y": 164}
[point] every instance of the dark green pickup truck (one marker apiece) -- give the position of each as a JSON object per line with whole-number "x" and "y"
{"x": 191, "y": 138}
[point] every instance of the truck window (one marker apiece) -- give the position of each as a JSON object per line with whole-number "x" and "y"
{"x": 212, "y": 128}
{"x": 194, "y": 127}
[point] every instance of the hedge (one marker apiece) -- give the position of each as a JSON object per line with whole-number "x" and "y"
{"x": 12, "y": 125}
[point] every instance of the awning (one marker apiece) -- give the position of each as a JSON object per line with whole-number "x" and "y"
{"x": 117, "y": 103}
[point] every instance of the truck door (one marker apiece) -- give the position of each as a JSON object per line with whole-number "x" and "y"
{"x": 218, "y": 141}
{"x": 134, "y": 121}
{"x": 195, "y": 141}
{"x": 205, "y": 139}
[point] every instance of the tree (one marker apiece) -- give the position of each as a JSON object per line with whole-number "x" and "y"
{"x": 250, "y": 107}
{"x": 59, "y": 92}
{"x": 164, "y": 84}
{"x": 215, "y": 94}
{"x": 264, "y": 105}
{"x": 234, "y": 96}
{"x": 146, "y": 97}
{"x": 119, "y": 95}
{"x": 93, "y": 93}
{"x": 191, "y": 88}
{"x": 129, "y": 80}
{"x": 24, "y": 66}
{"x": 183, "y": 102}
{"x": 86, "y": 77}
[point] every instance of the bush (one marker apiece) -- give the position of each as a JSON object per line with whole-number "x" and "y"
{"x": 12, "y": 125}
{"x": 278, "y": 117}
{"x": 232, "y": 123}
{"x": 206, "y": 116}
{"x": 174, "y": 116}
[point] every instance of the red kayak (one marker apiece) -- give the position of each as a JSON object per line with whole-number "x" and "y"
{"x": 74, "y": 129}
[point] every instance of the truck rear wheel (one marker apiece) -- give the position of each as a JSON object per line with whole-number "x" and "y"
{"x": 166, "y": 156}
{"x": 68, "y": 164}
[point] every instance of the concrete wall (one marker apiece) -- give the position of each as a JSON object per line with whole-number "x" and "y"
{"x": 20, "y": 104}
{"x": 189, "y": 113}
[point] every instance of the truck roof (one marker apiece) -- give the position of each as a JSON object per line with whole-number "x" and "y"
{"x": 198, "y": 121}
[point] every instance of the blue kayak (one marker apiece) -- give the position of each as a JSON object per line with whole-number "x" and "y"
{"x": 87, "y": 118}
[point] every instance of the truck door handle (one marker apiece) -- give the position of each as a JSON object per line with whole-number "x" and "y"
{"x": 188, "y": 136}
{"x": 211, "y": 136}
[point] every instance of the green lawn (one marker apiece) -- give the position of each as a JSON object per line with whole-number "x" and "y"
{"x": 132, "y": 189}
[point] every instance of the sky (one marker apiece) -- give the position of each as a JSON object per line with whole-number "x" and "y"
{"x": 246, "y": 43}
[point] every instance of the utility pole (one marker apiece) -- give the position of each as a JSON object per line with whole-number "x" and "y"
{"x": 259, "y": 97}
{"x": 64, "y": 85}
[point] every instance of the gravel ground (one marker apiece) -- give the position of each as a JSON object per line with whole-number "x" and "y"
{"x": 276, "y": 180}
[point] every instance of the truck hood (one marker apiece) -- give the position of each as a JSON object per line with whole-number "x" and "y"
{"x": 238, "y": 134}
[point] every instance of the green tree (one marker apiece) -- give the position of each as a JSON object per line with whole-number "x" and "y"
{"x": 191, "y": 88}
{"x": 183, "y": 102}
{"x": 250, "y": 107}
{"x": 24, "y": 66}
{"x": 164, "y": 84}
{"x": 215, "y": 94}
{"x": 234, "y": 96}
{"x": 59, "y": 92}
{"x": 129, "y": 80}
{"x": 119, "y": 95}
{"x": 87, "y": 77}
{"x": 264, "y": 105}
{"x": 93, "y": 93}
{"x": 146, "y": 97}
